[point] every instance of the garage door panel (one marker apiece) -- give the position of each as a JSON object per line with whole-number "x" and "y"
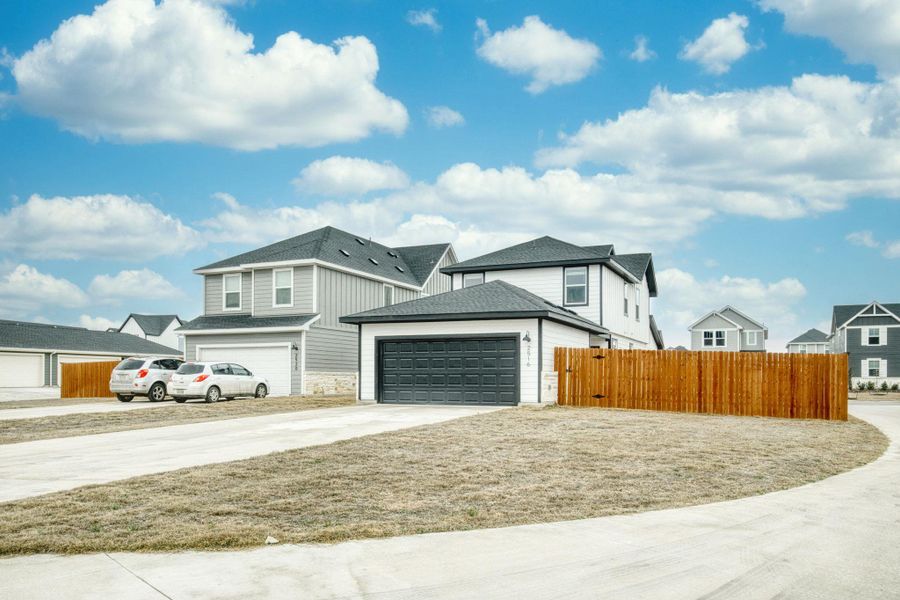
{"x": 271, "y": 362}
{"x": 21, "y": 370}
{"x": 461, "y": 371}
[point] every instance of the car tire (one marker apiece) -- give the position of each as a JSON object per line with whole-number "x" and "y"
{"x": 124, "y": 398}
{"x": 261, "y": 391}
{"x": 180, "y": 400}
{"x": 157, "y": 392}
{"x": 213, "y": 394}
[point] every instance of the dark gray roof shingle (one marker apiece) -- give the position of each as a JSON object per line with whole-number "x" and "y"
{"x": 332, "y": 245}
{"x": 21, "y": 334}
{"x": 844, "y": 312}
{"x": 152, "y": 324}
{"x": 492, "y": 300}
{"x": 813, "y": 336}
{"x": 422, "y": 260}
{"x": 244, "y": 322}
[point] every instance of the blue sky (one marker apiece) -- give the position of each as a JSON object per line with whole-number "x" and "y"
{"x": 755, "y": 148}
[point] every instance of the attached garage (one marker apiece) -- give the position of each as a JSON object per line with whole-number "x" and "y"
{"x": 21, "y": 370}
{"x": 491, "y": 344}
{"x": 272, "y": 361}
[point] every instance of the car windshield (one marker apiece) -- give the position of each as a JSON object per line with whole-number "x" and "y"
{"x": 130, "y": 364}
{"x": 190, "y": 369}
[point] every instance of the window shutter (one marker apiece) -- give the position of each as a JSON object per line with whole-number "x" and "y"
{"x": 882, "y": 336}
{"x": 883, "y": 370}
{"x": 864, "y": 365}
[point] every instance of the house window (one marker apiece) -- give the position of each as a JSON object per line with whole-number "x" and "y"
{"x": 801, "y": 348}
{"x": 388, "y": 294}
{"x": 284, "y": 287}
{"x": 708, "y": 338}
{"x": 874, "y": 367}
{"x": 470, "y": 279}
{"x": 625, "y": 296}
{"x": 637, "y": 303}
{"x": 576, "y": 286}
{"x": 750, "y": 337}
{"x": 874, "y": 336}
{"x": 720, "y": 338}
{"x": 231, "y": 286}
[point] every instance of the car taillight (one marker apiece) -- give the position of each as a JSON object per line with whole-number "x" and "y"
{"x": 142, "y": 373}
{"x": 200, "y": 378}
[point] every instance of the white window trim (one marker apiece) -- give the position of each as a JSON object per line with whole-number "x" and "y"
{"x": 240, "y": 291}
{"x": 584, "y": 285}
{"x": 882, "y": 368}
{"x": 474, "y": 284}
{"x": 864, "y": 335}
{"x": 724, "y": 333}
{"x": 384, "y": 288}
{"x": 747, "y": 335}
{"x": 637, "y": 303}
{"x": 275, "y": 288}
{"x": 625, "y": 297}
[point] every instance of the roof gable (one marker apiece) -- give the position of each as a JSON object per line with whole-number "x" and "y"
{"x": 733, "y": 314}
{"x": 541, "y": 250}
{"x": 714, "y": 319}
{"x": 813, "y": 336}
{"x": 842, "y": 314}
{"x": 423, "y": 260}
{"x": 153, "y": 325}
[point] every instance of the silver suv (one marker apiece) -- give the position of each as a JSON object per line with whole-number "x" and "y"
{"x": 143, "y": 376}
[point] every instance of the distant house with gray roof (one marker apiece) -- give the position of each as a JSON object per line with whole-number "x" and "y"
{"x": 156, "y": 328}
{"x": 31, "y": 353}
{"x": 870, "y": 336}
{"x": 812, "y": 341}
{"x": 728, "y": 330}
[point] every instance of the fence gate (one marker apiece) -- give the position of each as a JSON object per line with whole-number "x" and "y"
{"x": 86, "y": 380}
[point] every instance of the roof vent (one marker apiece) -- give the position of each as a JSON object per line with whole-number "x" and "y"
{"x": 344, "y": 252}
{"x": 361, "y": 243}
{"x": 373, "y": 261}
{"x": 392, "y": 253}
{"x": 399, "y": 269}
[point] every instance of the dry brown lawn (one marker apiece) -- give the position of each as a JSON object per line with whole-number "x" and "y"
{"x": 503, "y": 468}
{"x": 42, "y": 428}
{"x": 42, "y": 402}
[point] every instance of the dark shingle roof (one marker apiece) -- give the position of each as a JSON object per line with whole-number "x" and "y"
{"x": 20, "y": 334}
{"x": 152, "y": 324}
{"x": 602, "y": 249}
{"x": 639, "y": 265}
{"x": 492, "y": 300}
{"x": 656, "y": 333}
{"x": 844, "y": 312}
{"x": 244, "y": 322}
{"x": 331, "y": 245}
{"x": 422, "y": 259}
{"x": 813, "y": 336}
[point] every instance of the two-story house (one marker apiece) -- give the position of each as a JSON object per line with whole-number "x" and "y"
{"x": 491, "y": 339}
{"x": 160, "y": 329}
{"x": 811, "y": 342}
{"x": 728, "y": 330}
{"x": 870, "y": 335}
{"x": 276, "y": 309}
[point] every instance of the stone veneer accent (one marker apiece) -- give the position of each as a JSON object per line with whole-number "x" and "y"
{"x": 327, "y": 383}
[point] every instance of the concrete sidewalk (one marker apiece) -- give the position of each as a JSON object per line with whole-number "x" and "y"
{"x": 39, "y": 467}
{"x": 38, "y": 393}
{"x": 71, "y": 409}
{"x": 836, "y": 538}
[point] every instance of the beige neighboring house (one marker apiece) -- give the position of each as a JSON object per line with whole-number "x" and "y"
{"x": 155, "y": 328}
{"x": 728, "y": 330}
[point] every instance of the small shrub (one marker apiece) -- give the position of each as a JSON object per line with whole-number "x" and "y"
{"x": 884, "y": 386}
{"x": 895, "y": 387}
{"x": 860, "y": 386}
{"x": 870, "y": 385}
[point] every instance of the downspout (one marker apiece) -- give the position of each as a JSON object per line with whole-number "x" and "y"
{"x": 540, "y": 362}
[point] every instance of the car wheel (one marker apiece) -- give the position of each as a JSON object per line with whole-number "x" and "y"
{"x": 157, "y": 392}
{"x": 123, "y": 398}
{"x": 261, "y": 391}
{"x": 212, "y": 394}
{"x": 180, "y": 400}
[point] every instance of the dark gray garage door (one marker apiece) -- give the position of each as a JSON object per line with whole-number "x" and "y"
{"x": 483, "y": 370}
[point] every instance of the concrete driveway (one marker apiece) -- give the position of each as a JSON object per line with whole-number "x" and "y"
{"x": 71, "y": 409}
{"x": 34, "y": 468}
{"x": 38, "y": 393}
{"x": 836, "y": 538}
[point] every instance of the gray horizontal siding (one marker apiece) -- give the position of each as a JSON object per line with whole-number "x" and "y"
{"x": 192, "y": 341}
{"x": 331, "y": 350}
{"x": 303, "y": 293}
{"x": 889, "y": 352}
{"x": 213, "y": 301}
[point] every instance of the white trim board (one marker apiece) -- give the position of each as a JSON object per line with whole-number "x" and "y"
{"x": 304, "y": 263}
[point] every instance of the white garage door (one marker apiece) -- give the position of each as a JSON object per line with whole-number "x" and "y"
{"x": 271, "y": 362}
{"x": 78, "y": 358}
{"x": 21, "y": 370}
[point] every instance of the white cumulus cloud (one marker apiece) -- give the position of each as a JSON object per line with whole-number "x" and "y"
{"x": 346, "y": 176}
{"x": 424, "y": 18}
{"x": 443, "y": 116}
{"x": 862, "y": 238}
{"x": 720, "y": 45}
{"x": 135, "y": 283}
{"x": 99, "y": 226}
{"x": 548, "y": 56}
{"x": 137, "y": 71}
{"x": 24, "y": 289}
{"x": 642, "y": 51}
{"x": 98, "y": 323}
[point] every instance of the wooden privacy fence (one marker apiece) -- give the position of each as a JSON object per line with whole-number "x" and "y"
{"x": 86, "y": 380}
{"x": 800, "y": 386}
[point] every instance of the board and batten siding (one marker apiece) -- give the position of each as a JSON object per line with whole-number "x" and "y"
{"x": 331, "y": 350}
{"x": 302, "y": 294}
{"x": 528, "y": 367}
{"x": 556, "y": 335}
{"x": 547, "y": 282}
{"x": 213, "y": 302}
{"x": 341, "y": 294}
{"x": 439, "y": 283}
{"x": 621, "y": 326}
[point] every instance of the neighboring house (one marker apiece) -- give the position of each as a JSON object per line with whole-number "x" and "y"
{"x": 484, "y": 344}
{"x": 811, "y": 342}
{"x": 611, "y": 290}
{"x": 276, "y": 310}
{"x": 31, "y": 353}
{"x": 870, "y": 335}
{"x": 156, "y": 328}
{"x": 728, "y": 330}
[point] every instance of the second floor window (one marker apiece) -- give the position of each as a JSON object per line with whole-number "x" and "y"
{"x": 720, "y": 338}
{"x": 576, "y": 286}
{"x": 874, "y": 336}
{"x": 751, "y": 338}
{"x": 388, "y": 294}
{"x": 232, "y": 291}
{"x": 637, "y": 303}
{"x": 284, "y": 287}
{"x": 625, "y": 296}
{"x": 470, "y": 279}
{"x": 713, "y": 338}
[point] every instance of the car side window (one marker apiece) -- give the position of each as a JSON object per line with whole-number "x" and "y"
{"x": 169, "y": 365}
{"x": 221, "y": 369}
{"x": 239, "y": 370}
{"x": 156, "y": 364}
